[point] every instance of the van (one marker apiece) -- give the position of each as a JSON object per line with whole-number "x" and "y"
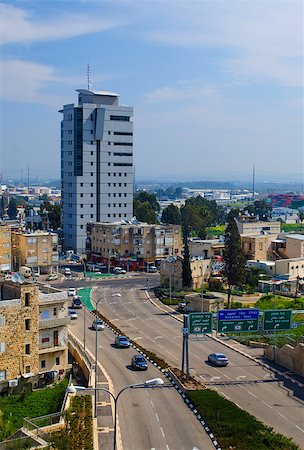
{"x": 25, "y": 271}
{"x": 66, "y": 271}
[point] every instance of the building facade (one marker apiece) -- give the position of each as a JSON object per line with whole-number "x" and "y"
{"x": 206, "y": 248}
{"x": 171, "y": 272}
{"x": 38, "y": 250}
{"x": 96, "y": 164}
{"x": 248, "y": 225}
{"x": 33, "y": 330}
{"x": 133, "y": 240}
{"x": 5, "y": 248}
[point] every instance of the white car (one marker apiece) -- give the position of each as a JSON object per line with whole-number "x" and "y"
{"x": 73, "y": 314}
{"x": 119, "y": 270}
{"x": 98, "y": 325}
{"x": 72, "y": 292}
{"x": 52, "y": 276}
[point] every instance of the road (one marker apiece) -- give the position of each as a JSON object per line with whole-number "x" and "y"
{"x": 149, "y": 418}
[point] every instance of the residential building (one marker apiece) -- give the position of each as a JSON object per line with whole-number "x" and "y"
{"x": 133, "y": 240}
{"x": 37, "y": 250}
{"x": 258, "y": 247}
{"x": 249, "y": 225}
{"x": 295, "y": 245}
{"x": 5, "y": 248}
{"x": 171, "y": 272}
{"x": 96, "y": 164}
{"x": 207, "y": 248}
{"x": 291, "y": 268}
{"x": 33, "y": 330}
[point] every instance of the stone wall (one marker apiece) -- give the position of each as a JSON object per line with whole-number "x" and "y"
{"x": 290, "y": 357}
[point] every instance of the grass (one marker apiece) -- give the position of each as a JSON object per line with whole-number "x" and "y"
{"x": 235, "y": 428}
{"x": 216, "y": 231}
{"x": 14, "y": 408}
{"x": 292, "y": 227}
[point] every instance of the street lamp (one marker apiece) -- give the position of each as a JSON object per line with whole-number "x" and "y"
{"x": 155, "y": 382}
{"x": 96, "y": 357}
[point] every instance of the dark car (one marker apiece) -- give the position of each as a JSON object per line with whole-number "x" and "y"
{"x": 218, "y": 359}
{"x": 76, "y": 303}
{"x": 138, "y": 362}
{"x": 122, "y": 342}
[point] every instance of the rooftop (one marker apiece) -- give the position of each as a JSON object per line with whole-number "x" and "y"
{"x": 295, "y": 236}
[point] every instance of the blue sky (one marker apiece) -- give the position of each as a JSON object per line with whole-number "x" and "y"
{"x": 216, "y": 85}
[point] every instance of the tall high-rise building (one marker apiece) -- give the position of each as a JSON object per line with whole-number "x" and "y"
{"x": 96, "y": 164}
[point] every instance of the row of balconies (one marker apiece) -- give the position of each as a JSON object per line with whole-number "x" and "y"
{"x": 54, "y": 322}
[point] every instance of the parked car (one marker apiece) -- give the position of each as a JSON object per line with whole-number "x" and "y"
{"x": 52, "y": 276}
{"x": 98, "y": 325}
{"x": 72, "y": 292}
{"x": 139, "y": 362}
{"x": 66, "y": 271}
{"x": 151, "y": 269}
{"x": 73, "y": 314}
{"x": 122, "y": 342}
{"x": 76, "y": 302}
{"x": 218, "y": 359}
{"x": 119, "y": 270}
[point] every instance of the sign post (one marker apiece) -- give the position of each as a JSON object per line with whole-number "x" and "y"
{"x": 237, "y": 320}
{"x": 200, "y": 323}
{"x": 277, "y": 320}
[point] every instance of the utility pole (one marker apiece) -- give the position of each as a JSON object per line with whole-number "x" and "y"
{"x": 28, "y": 178}
{"x": 253, "y": 182}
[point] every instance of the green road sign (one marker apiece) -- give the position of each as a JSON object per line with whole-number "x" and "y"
{"x": 200, "y": 323}
{"x": 277, "y": 320}
{"x": 236, "y": 326}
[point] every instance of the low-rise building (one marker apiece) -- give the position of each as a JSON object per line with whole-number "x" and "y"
{"x": 38, "y": 250}
{"x": 171, "y": 272}
{"x": 249, "y": 225}
{"x": 133, "y": 240}
{"x": 258, "y": 247}
{"x": 207, "y": 248}
{"x": 295, "y": 245}
{"x": 5, "y": 248}
{"x": 33, "y": 330}
{"x": 291, "y": 268}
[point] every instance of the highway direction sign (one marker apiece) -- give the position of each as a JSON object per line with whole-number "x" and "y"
{"x": 237, "y": 320}
{"x": 200, "y": 323}
{"x": 277, "y": 320}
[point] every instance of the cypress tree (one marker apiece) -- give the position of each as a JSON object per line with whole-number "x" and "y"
{"x": 233, "y": 257}
{"x": 186, "y": 269}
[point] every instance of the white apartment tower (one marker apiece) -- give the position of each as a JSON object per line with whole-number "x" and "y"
{"x": 96, "y": 164}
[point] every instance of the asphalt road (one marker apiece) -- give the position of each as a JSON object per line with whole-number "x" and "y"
{"x": 270, "y": 398}
{"x": 148, "y": 418}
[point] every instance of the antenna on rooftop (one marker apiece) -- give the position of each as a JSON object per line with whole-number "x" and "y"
{"x": 253, "y": 181}
{"x": 89, "y": 77}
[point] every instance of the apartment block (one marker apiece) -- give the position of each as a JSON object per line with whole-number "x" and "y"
{"x": 5, "y": 248}
{"x": 248, "y": 225}
{"x": 206, "y": 248}
{"x": 38, "y": 250}
{"x": 33, "y": 330}
{"x": 96, "y": 164}
{"x": 133, "y": 240}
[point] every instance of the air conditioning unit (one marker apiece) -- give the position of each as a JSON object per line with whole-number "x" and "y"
{"x": 13, "y": 383}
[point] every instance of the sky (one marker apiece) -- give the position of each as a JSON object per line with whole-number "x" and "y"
{"x": 216, "y": 85}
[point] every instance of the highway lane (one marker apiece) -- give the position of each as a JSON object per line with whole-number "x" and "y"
{"x": 249, "y": 385}
{"x": 149, "y": 418}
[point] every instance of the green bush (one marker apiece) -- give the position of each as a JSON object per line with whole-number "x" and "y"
{"x": 234, "y": 427}
{"x": 216, "y": 285}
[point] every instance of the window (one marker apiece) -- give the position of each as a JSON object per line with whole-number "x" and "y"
{"x": 55, "y": 312}
{"x": 92, "y": 174}
{"x": 122, "y": 154}
{"x": 129, "y": 144}
{"x": 81, "y": 205}
{"x": 27, "y": 349}
{"x": 109, "y": 215}
{"x": 42, "y": 364}
{"x": 91, "y": 131}
{"x": 2, "y": 375}
{"x": 92, "y": 153}
{"x": 81, "y": 195}
{"x": 2, "y": 347}
{"x": 81, "y": 216}
{"x": 81, "y": 184}
{"x": 27, "y": 324}
{"x": 27, "y": 369}
{"x": 109, "y": 174}
{"x": 109, "y": 132}
{"x": 92, "y": 163}
{"x": 109, "y": 164}
{"x": 122, "y": 133}
{"x": 92, "y": 205}
{"x": 92, "y": 184}
{"x": 57, "y": 361}
{"x": 109, "y": 143}
{"x": 27, "y": 299}
{"x": 123, "y": 165}
{"x": 121, "y": 118}
{"x": 109, "y": 195}
{"x": 81, "y": 227}
{"x": 92, "y": 216}
{"x": 92, "y": 142}
{"x": 92, "y": 195}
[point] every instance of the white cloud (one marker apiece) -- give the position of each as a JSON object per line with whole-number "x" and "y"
{"x": 18, "y": 26}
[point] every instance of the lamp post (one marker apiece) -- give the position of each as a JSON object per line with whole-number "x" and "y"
{"x": 96, "y": 358}
{"x": 155, "y": 382}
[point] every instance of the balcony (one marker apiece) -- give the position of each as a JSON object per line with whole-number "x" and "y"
{"x": 54, "y": 322}
{"x": 49, "y": 347}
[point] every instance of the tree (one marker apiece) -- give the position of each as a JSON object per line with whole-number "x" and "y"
{"x": 261, "y": 209}
{"x": 144, "y": 196}
{"x": 51, "y": 213}
{"x": 171, "y": 214}
{"x": 186, "y": 268}
{"x": 12, "y": 210}
{"x": 144, "y": 212}
{"x": 233, "y": 257}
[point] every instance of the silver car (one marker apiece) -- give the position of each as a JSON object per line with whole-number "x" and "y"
{"x": 218, "y": 359}
{"x": 98, "y": 325}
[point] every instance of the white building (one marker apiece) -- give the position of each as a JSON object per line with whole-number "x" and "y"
{"x": 96, "y": 164}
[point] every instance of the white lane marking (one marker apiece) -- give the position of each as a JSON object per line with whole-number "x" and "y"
{"x": 215, "y": 378}
{"x": 267, "y": 404}
{"x": 157, "y": 418}
{"x": 300, "y": 428}
{"x": 162, "y": 432}
{"x": 152, "y": 404}
{"x": 132, "y": 318}
{"x": 196, "y": 356}
{"x": 147, "y": 394}
{"x": 240, "y": 377}
{"x": 226, "y": 396}
{"x": 138, "y": 337}
{"x": 149, "y": 318}
{"x": 203, "y": 378}
{"x": 167, "y": 447}
{"x": 253, "y": 395}
{"x": 158, "y": 337}
{"x": 282, "y": 415}
{"x": 238, "y": 405}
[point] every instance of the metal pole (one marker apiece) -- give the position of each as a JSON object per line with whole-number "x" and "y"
{"x": 96, "y": 360}
{"x": 187, "y": 350}
{"x": 297, "y": 287}
{"x": 170, "y": 284}
{"x": 183, "y": 350}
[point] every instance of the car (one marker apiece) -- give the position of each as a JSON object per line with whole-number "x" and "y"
{"x": 98, "y": 325}
{"x": 151, "y": 269}
{"x": 218, "y": 359}
{"x": 119, "y": 270}
{"x": 139, "y": 362}
{"x": 122, "y": 342}
{"x": 52, "y": 276}
{"x": 72, "y": 292}
{"x": 66, "y": 271}
{"x": 73, "y": 314}
{"x": 76, "y": 302}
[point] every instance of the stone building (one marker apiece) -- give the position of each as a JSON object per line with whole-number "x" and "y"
{"x": 5, "y": 247}
{"x": 33, "y": 330}
{"x": 171, "y": 272}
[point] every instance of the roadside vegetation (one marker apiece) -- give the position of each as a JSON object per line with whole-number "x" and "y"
{"x": 14, "y": 408}
{"x": 235, "y": 428}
